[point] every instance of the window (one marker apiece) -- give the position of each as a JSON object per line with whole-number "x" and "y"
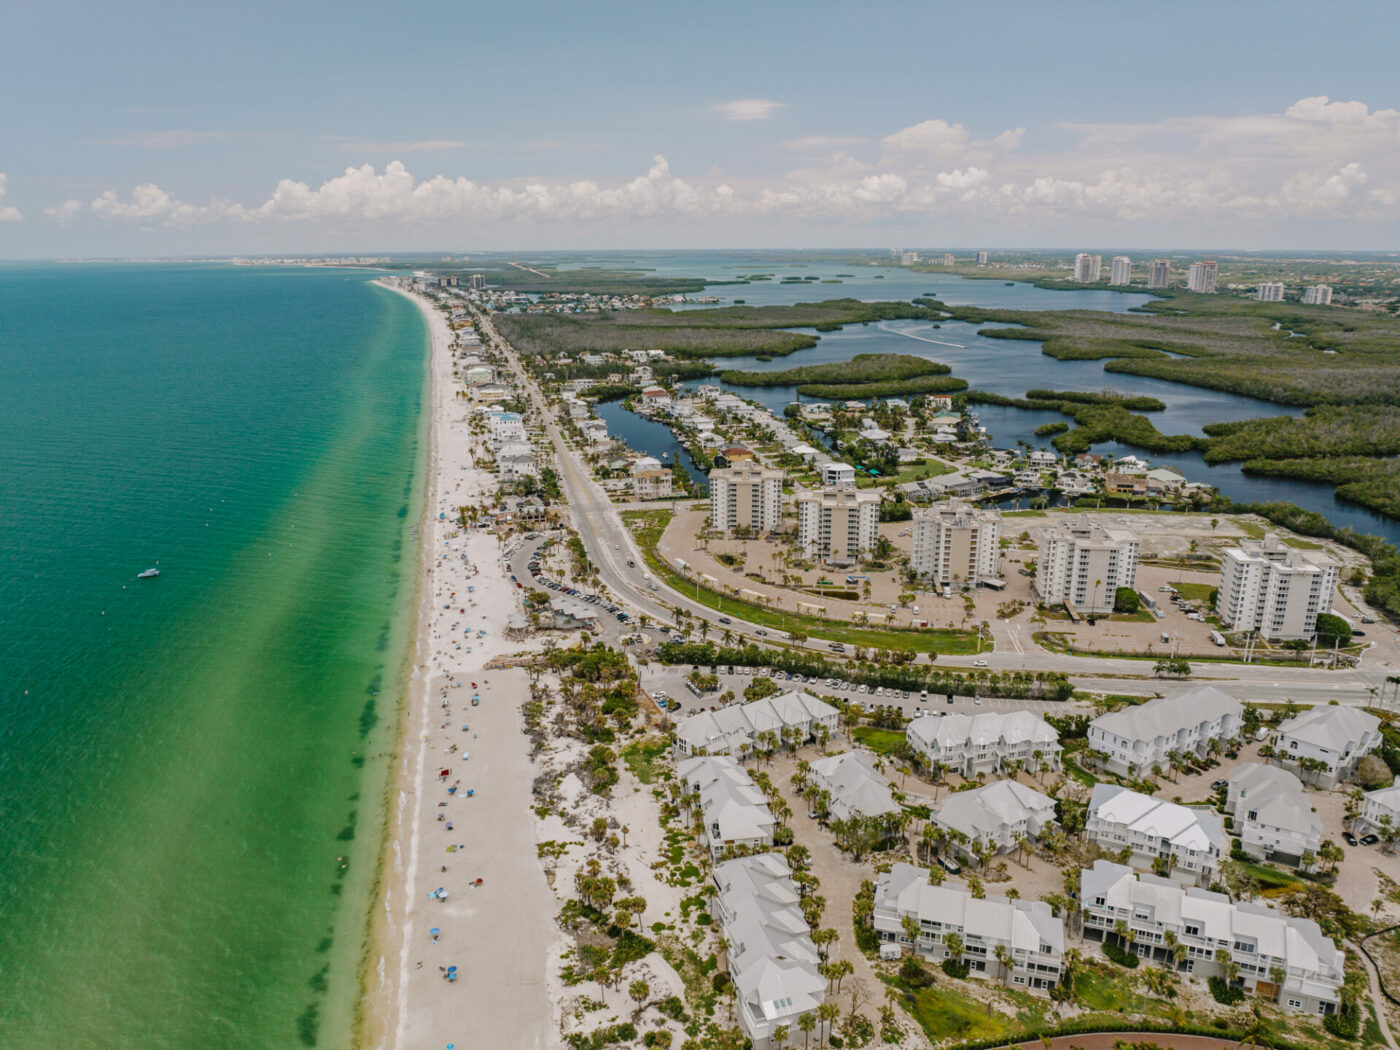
{"x": 1295, "y": 1004}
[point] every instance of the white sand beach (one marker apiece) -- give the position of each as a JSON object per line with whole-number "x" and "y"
{"x": 496, "y": 933}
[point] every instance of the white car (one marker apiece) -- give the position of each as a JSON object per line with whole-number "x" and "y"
{"x": 979, "y": 663}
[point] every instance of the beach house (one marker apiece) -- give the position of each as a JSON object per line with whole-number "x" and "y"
{"x": 1333, "y": 738}
{"x": 985, "y": 743}
{"x": 1272, "y": 813}
{"x": 744, "y": 729}
{"x": 734, "y": 812}
{"x": 997, "y": 817}
{"x": 1132, "y": 740}
{"x": 851, "y": 787}
{"x": 1183, "y": 842}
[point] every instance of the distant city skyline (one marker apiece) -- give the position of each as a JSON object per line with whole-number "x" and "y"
{"x": 146, "y": 131}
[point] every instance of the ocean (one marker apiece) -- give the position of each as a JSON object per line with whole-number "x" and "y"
{"x": 193, "y": 768}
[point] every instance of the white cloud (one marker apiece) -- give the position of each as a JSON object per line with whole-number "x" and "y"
{"x": 65, "y": 212}
{"x": 151, "y": 203}
{"x": 936, "y": 137}
{"x": 8, "y": 213}
{"x": 1009, "y": 139}
{"x": 1321, "y": 108}
{"x": 748, "y": 108}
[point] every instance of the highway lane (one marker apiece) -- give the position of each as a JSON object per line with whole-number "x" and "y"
{"x": 610, "y": 545}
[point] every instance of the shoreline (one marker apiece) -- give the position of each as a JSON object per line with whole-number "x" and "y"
{"x": 496, "y": 918}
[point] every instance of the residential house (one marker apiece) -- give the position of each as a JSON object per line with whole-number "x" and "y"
{"x": 516, "y": 460}
{"x": 1119, "y": 484}
{"x": 1281, "y": 957}
{"x": 1031, "y": 939}
{"x": 997, "y": 817}
{"x": 1273, "y": 815}
{"x": 768, "y": 947}
{"x": 1380, "y": 810}
{"x": 1181, "y": 841}
{"x": 1330, "y": 740}
{"x": 853, "y": 786}
{"x": 985, "y": 743}
{"x": 1134, "y": 739}
{"x": 736, "y": 730}
{"x": 734, "y": 810}
{"x": 650, "y": 480}
{"x": 1042, "y": 459}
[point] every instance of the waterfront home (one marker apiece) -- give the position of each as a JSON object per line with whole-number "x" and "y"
{"x": 734, "y": 810}
{"x": 1042, "y": 459}
{"x": 650, "y": 480}
{"x": 1031, "y": 938}
{"x": 1120, "y": 484}
{"x": 1132, "y": 740}
{"x": 1284, "y": 958}
{"x": 737, "y": 730}
{"x": 1336, "y": 737}
{"x": 988, "y": 743}
{"x": 998, "y": 816}
{"x": 1181, "y": 841}
{"x": 516, "y": 460}
{"x": 769, "y": 952}
{"x": 506, "y": 426}
{"x": 852, "y": 787}
{"x": 490, "y": 392}
{"x": 1380, "y": 810}
{"x": 1272, "y": 813}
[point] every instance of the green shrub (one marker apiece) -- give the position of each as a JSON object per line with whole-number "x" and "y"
{"x": 1223, "y": 993}
{"x": 914, "y": 973}
{"x": 1125, "y": 600}
{"x": 1345, "y": 1024}
{"x": 956, "y": 968}
{"x": 1120, "y": 955}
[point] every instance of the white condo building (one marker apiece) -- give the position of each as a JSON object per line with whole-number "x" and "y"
{"x": 1027, "y": 929}
{"x": 733, "y": 808}
{"x": 746, "y": 496}
{"x": 956, "y": 544}
{"x": 650, "y": 480}
{"x": 837, "y": 525}
{"x": 1134, "y": 739}
{"x": 1122, "y": 270}
{"x": 736, "y": 730}
{"x": 1273, "y": 815}
{"x": 1337, "y": 737}
{"x": 998, "y": 815}
{"x": 1275, "y": 590}
{"x": 1159, "y": 274}
{"x": 1317, "y": 295}
{"x": 1087, "y": 267}
{"x": 1187, "y": 838}
{"x": 1201, "y": 277}
{"x": 1285, "y": 958}
{"x": 852, "y": 786}
{"x": 985, "y": 743}
{"x": 1269, "y": 292}
{"x": 1082, "y": 564}
{"x": 768, "y": 947}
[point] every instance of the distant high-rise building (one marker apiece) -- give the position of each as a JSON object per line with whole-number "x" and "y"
{"x": 837, "y": 524}
{"x": 1087, "y": 267}
{"x": 746, "y": 496}
{"x": 908, "y": 258}
{"x": 956, "y": 544}
{"x": 1159, "y": 276}
{"x": 1318, "y": 295}
{"x": 948, "y": 259}
{"x": 1084, "y": 564}
{"x": 1269, "y": 292}
{"x": 477, "y": 281}
{"x": 1122, "y": 272}
{"x": 982, "y": 258}
{"x": 1201, "y": 277}
{"x": 1272, "y": 589}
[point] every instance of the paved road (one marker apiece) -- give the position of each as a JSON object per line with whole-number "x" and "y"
{"x": 610, "y": 546}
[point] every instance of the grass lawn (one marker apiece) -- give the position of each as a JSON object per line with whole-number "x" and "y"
{"x": 1270, "y": 879}
{"x": 947, "y": 1014}
{"x": 1114, "y": 992}
{"x": 1195, "y": 592}
{"x": 1023, "y": 514}
{"x": 881, "y": 741}
{"x": 1082, "y": 775}
{"x": 930, "y": 468}
{"x": 641, "y": 756}
{"x": 1303, "y": 545}
{"x": 648, "y": 527}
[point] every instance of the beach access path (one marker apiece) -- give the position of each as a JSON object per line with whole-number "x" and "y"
{"x": 496, "y": 933}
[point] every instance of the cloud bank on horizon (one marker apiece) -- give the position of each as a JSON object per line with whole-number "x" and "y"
{"x": 1316, "y": 158}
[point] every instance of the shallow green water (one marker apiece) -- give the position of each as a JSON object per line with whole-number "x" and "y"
{"x": 183, "y": 760}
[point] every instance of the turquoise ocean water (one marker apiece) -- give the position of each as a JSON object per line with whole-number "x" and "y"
{"x": 193, "y": 768}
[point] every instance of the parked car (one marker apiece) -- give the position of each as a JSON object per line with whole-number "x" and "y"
{"x": 1216, "y": 785}
{"x": 1349, "y": 838}
{"x": 1370, "y": 840}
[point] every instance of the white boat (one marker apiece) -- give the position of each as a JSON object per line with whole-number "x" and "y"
{"x": 148, "y": 574}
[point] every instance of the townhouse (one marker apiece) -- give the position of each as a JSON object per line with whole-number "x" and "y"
{"x": 1336, "y": 737}
{"x": 852, "y": 786}
{"x": 1280, "y": 957}
{"x": 734, "y": 811}
{"x": 1272, "y": 814}
{"x": 1181, "y": 841}
{"x": 998, "y": 816}
{"x": 1027, "y": 930}
{"x": 985, "y": 743}
{"x": 768, "y": 947}
{"x": 1132, "y": 740}
{"x": 736, "y": 730}
{"x": 1380, "y": 810}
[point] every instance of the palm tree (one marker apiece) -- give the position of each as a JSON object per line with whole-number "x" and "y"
{"x": 954, "y": 944}
{"x": 805, "y": 1023}
{"x": 780, "y": 1034}
{"x": 1005, "y": 960}
{"x": 638, "y": 990}
{"x": 828, "y": 1012}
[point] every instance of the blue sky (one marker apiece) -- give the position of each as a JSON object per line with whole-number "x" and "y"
{"x": 155, "y": 129}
